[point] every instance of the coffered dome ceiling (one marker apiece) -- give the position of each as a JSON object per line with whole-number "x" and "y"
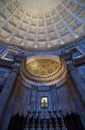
{"x": 42, "y": 24}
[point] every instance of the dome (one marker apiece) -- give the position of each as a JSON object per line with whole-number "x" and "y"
{"x": 41, "y": 24}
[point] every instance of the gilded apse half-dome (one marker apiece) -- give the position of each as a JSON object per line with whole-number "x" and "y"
{"x": 43, "y": 70}
{"x": 43, "y": 67}
{"x": 36, "y": 24}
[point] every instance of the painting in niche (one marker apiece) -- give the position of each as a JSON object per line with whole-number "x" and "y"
{"x": 44, "y": 102}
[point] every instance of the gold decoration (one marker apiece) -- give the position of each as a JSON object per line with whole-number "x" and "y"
{"x": 42, "y": 67}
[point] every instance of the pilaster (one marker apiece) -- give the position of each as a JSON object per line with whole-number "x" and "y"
{"x": 78, "y": 81}
{"x": 7, "y": 91}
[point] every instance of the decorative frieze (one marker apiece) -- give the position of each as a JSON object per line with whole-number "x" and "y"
{"x": 6, "y": 63}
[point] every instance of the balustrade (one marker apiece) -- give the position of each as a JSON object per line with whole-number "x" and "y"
{"x": 56, "y": 121}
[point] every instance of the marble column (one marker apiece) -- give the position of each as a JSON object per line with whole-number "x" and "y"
{"x": 80, "y": 109}
{"x": 6, "y": 94}
{"x": 77, "y": 88}
{"x": 78, "y": 81}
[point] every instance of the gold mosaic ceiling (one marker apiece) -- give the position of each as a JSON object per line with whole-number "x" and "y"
{"x": 56, "y": 23}
{"x": 43, "y": 70}
{"x": 43, "y": 67}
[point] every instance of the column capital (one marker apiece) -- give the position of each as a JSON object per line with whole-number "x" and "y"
{"x": 66, "y": 55}
{"x": 16, "y": 69}
{"x": 71, "y": 66}
{"x": 19, "y": 57}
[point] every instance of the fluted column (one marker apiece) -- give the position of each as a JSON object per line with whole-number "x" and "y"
{"x": 5, "y": 95}
{"x": 78, "y": 81}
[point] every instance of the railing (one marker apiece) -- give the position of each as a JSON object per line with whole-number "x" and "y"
{"x": 56, "y": 121}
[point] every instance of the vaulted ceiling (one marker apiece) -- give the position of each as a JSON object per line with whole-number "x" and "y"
{"x": 41, "y": 24}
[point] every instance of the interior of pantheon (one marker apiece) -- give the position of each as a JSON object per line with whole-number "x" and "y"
{"x": 42, "y": 65}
